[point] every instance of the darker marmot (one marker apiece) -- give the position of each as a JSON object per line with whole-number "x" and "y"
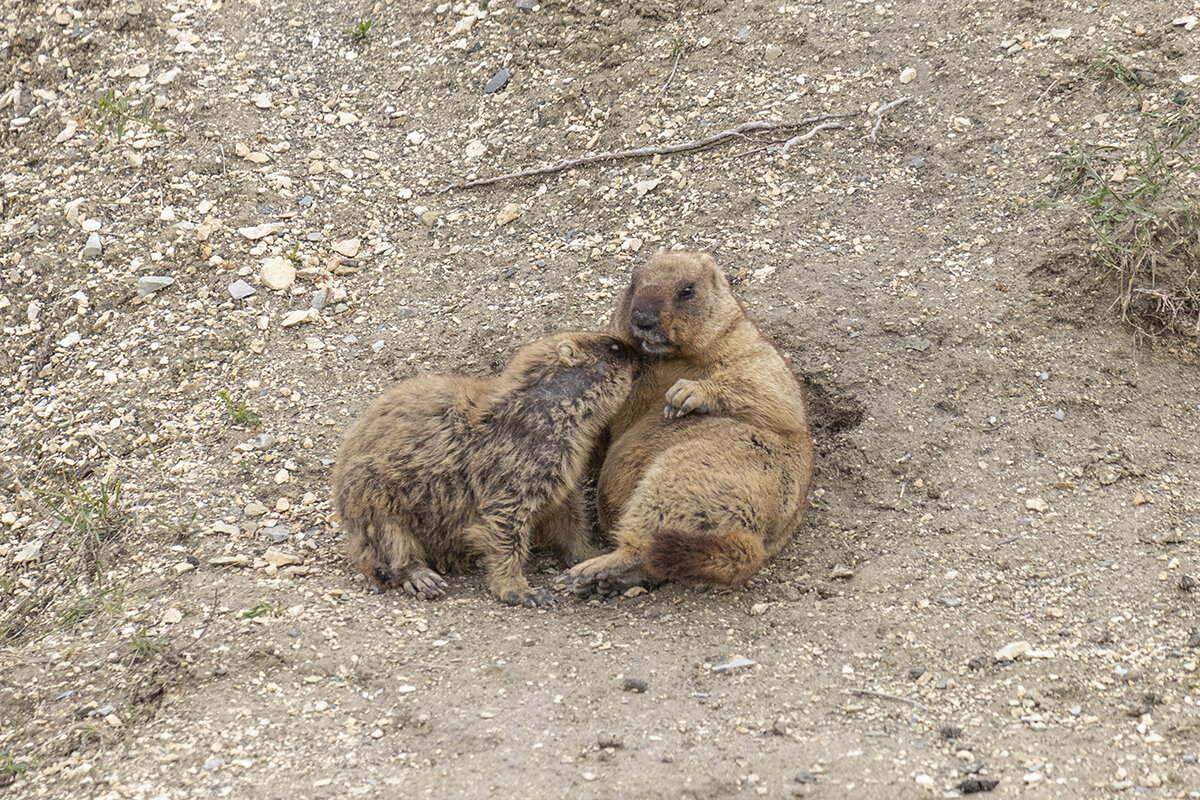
{"x": 443, "y": 468}
{"x": 709, "y": 486}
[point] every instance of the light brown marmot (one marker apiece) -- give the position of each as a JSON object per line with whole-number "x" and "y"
{"x": 443, "y": 468}
{"x": 710, "y": 459}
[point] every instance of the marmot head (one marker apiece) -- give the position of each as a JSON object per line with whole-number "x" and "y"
{"x": 576, "y": 367}
{"x": 677, "y": 304}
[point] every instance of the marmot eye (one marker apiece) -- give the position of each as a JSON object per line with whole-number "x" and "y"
{"x": 687, "y": 291}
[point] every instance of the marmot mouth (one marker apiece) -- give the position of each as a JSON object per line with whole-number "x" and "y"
{"x": 656, "y": 348}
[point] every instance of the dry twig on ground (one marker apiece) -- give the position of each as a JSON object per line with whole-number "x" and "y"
{"x": 666, "y": 149}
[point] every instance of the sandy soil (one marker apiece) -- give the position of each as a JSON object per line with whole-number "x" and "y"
{"x": 1001, "y": 459}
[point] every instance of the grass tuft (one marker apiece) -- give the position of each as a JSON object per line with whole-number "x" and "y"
{"x": 238, "y": 412}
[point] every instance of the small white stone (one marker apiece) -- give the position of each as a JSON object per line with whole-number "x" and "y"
{"x": 475, "y": 149}
{"x": 140, "y": 71}
{"x": 1060, "y": 33}
{"x": 1013, "y": 650}
{"x": 908, "y": 75}
{"x": 90, "y": 225}
{"x": 347, "y": 247}
{"x": 278, "y": 273}
{"x": 260, "y": 231}
{"x": 1037, "y": 504}
{"x": 172, "y": 616}
{"x": 507, "y": 214}
{"x": 300, "y": 316}
{"x": 70, "y": 339}
{"x": 262, "y": 100}
{"x": 415, "y": 137}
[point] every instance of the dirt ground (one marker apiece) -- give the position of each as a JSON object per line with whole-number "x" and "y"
{"x": 1001, "y": 459}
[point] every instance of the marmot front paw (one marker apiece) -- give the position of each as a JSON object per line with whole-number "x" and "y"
{"x": 684, "y": 398}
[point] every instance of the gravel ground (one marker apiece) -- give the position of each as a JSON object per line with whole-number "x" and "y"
{"x": 996, "y": 589}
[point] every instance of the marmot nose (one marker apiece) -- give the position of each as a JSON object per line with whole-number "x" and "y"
{"x": 641, "y": 318}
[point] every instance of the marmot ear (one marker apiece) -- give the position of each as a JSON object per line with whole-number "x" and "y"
{"x": 568, "y": 353}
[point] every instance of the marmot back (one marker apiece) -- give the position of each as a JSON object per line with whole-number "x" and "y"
{"x": 442, "y": 468}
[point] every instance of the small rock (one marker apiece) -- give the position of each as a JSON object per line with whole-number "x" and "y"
{"x": 1194, "y": 639}
{"x": 172, "y": 616}
{"x": 91, "y": 225}
{"x": 279, "y": 558}
{"x": 260, "y": 231}
{"x": 347, "y": 247}
{"x": 635, "y": 685}
{"x": 758, "y": 609}
{"x": 634, "y": 591}
{"x": 507, "y": 214}
{"x": 278, "y": 534}
{"x": 1187, "y": 583}
{"x": 1060, "y": 33}
{"x": 908, "y": 75}
{"x": 527, "y": 5}
{"x": 780, "y": 727}
{"x": 149, "y": 284}
{"x": 1059, "y": 414}
{"x": 805, "y": 777}
{"x": 320, "y": 299}
{"x": 240, "y": 290}
{"x": 1037, "y": 504}
{"x": 610, "y": 740}
{"x": 950, "y": 732}
{"x": 498, "y": 81}
{"x": 71, "y": 339}
{"x": 772, "y": 52}
{"x": 917, "y": 163}
{"x": 734, "y": 663}
{"x": 974, "y": 785}
{"x": 30, "y": 552}
{"x": 977, "y": 663}
{"x": 950, "y": 602}
{"x": 300, "y": 316}
{"x": 278, "y": 273}
{"x": 1013, "y": 650}
{"x": 840, "y": 572}
{"x": 93, "y": 248}
{"x": 254, "y": 510}
{"x": 214, "y": 763}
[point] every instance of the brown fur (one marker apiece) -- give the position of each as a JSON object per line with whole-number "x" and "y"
{"x": 443, "y": 468}
{"x": 708, "y": 471}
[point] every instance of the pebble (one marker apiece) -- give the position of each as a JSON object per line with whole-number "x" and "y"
{"x": 30, "y": 552}
{"x": 347, "y": 247}
{"x": 610, "y": 740}
{"x": 950, "y": 602}
{"x": 278, "y": 273}
{"x": 507, "y": 214}
{"x": 93, "y": 248}
{"x": 1013, "y": 650}
{"x": 1037, "y": 504}
{"x": 320, "y": 299}
{"x": 72, "y": 338}
{"x": 1194, "y": 639}
{"x": 300, "y": 316}
{"x": 91, "y": 225}
{"x": 527, "y": 5}
{"x": 172, "y": 616}
{"x": 734, "y": 663}
{"x": 635, "y": 685}
{"x": 805, "y": 777}
{"x": 149, "y": 284}
{"x": 908, "y": 75}
{"x": 279, "y": 558}
{"x": 974, "y": 785}
{"x": 278, "y": 534}
{"x": 254, "y": 510}
{"x": 498, "y": 81}
{"x": 1059, "y": 414}
{"x": 917, "y": 163}
{"x": 241, "y": 290}
{"x": 260, "y": 231}
{"x": 214, "y": 763}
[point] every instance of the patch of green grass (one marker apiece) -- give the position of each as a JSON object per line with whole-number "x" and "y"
{"x": 109, "y": 601}
{"x": 181, "y": 529}
{"x": 115, "y": 112}
{"x": 262, "y": 609}
{"x": 359, "y": 30}
{"x": 294, "y": 255}
{"x": 9, "y": 765}
{"x": 1110, "y": 65}
{"x": 91, "y": 517}
{"x": 238, "y": 412}
{"x": 144, "y": 645}
{"x": 1142, "y": 204}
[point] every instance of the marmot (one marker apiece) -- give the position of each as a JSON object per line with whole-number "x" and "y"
{"x": 709, "y": 485}
{"x": 442, "y": 468}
